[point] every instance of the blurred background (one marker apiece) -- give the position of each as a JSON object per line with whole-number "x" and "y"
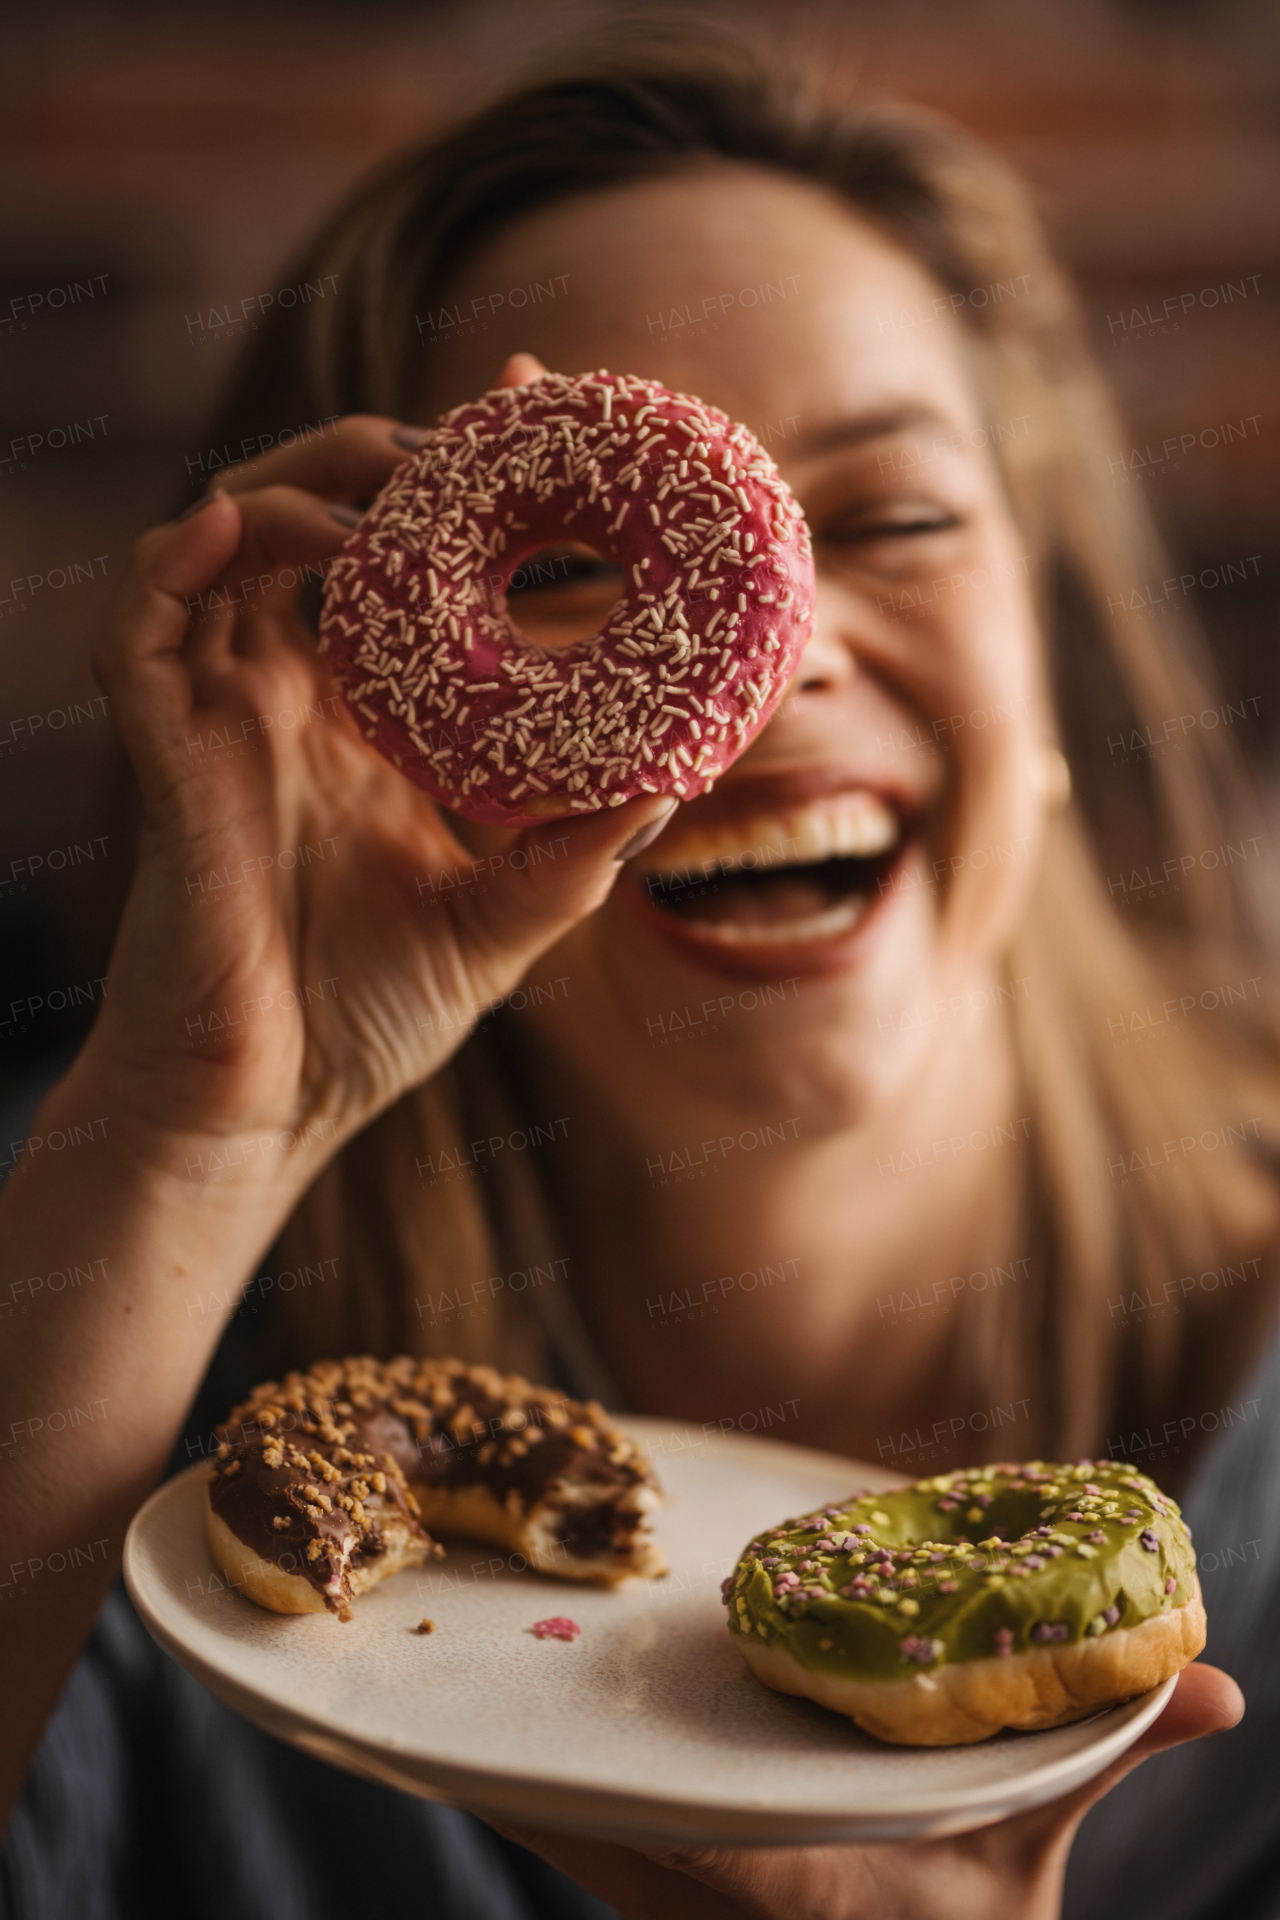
{"x": 162, "y": 165}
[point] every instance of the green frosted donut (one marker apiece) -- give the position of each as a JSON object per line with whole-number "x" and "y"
{"x": 984, "y": 1564}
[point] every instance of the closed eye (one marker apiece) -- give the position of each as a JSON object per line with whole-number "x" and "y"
{"x": 851, "y": 533}
{"x": 553, "y": 569}
{"x": 563, "y": 594}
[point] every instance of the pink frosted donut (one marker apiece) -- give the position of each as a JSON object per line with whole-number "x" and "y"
{"x": 717, "y": 600}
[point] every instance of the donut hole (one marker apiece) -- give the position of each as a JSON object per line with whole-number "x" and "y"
{"x": 1012, "y": 1515}
{"x": 561, "y": 595}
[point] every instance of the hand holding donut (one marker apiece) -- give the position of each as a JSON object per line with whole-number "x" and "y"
{"x": 280, "y": 974}
{"x": 286, "y": 962}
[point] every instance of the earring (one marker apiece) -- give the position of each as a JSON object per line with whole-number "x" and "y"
{"x": 1051, "y": 778}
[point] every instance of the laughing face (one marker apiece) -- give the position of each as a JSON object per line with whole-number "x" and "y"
{"x": 870, "y": 854}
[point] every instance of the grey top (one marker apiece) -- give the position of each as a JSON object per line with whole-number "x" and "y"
{"x": 1195, "y": 1834}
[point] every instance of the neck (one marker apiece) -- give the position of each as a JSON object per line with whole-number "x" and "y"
{"x": 720, "y": 1268}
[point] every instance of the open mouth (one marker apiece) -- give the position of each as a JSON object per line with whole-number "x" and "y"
{"x": 800, "y": 874}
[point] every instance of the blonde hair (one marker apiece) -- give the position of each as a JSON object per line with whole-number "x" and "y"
{"x": 1101, "y": 1231}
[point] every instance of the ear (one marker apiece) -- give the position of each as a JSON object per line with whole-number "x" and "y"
{"x": 521, "y": 370}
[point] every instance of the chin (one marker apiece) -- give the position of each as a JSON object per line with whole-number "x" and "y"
{"x": 825, "y": 1044}
{"x": 832, "y": 1075}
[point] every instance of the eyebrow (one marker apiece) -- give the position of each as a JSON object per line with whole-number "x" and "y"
{"x": 863, "y": 427}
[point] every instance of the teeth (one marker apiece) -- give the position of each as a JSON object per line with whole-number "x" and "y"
{"x": 812, "y": 926}
{"x": 850, "y": 825}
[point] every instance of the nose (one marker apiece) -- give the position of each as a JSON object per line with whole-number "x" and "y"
{"x": 827, "y": 661}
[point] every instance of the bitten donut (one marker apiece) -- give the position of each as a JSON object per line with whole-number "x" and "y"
{"x": 1007, "y": 1596}
{"x": 302, "y": 1518}
{"x": 323, "y": 1482}
{"x": 716, "y": 601}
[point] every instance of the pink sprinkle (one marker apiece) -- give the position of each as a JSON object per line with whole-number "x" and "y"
{"x": 1170, "y": 1584}
{"x": 558, "y": 1627}
{"x": 1050, "y": 1630}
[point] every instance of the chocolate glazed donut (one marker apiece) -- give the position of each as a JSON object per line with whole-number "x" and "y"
{"x": 325, "y": 1482}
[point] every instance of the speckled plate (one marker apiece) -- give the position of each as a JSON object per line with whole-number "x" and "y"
{"x": 647, "y": 1728}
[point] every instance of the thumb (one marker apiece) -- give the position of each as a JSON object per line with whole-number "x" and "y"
{"x": 1205, "y": 1701}
{"x": 554, "y": 876}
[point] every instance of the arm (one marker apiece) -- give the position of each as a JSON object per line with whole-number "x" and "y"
{"x": 291, "y": 856}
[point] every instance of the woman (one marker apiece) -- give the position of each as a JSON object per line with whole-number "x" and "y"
{"x": 913, "y": 997}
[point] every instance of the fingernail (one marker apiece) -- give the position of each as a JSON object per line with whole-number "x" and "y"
{"x": 346, "y": 516}
{"x": 198, "y": 506}
{"x": 646, "y": 836}
{"x": 410, "y": 437}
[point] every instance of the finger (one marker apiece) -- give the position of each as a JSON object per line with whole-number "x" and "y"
{"x": 351, "y": 459}
{"x": 1205, "y": 1701}
{"x": 287, "y": 537}
{"x": 522, "y": 370}
{"x": 141, "y": 665}
{"x": 551, "y": 878}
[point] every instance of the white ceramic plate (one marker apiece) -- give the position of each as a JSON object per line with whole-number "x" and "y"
{"x": 647, "y": 1728}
